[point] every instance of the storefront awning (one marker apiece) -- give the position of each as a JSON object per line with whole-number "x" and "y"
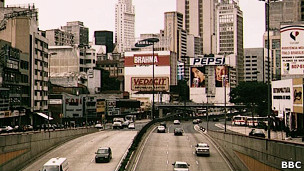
{"x": 45, "y": 116}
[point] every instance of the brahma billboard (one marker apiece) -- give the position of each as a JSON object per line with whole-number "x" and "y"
{"x": 292, "y": 49}
{"x": 146, "y": 84}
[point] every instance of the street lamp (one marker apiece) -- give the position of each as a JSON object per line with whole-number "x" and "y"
{"x": 145, "y": 43}
{"x": 224, "y": 82}
{"x": 267, "y": 3}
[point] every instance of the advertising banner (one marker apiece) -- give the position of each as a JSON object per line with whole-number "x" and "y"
{"x": 197, "y": 77}
{"x": 201, "y": 61}
{"x": 147, "y": 59}
{"x": 292, "y": 49}
{"x": 221, "y": 76}
{"x": 146, "y": 84}
{"x": 100, "y": 105}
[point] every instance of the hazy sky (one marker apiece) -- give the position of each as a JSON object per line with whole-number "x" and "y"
{"x": 149, "y": 15}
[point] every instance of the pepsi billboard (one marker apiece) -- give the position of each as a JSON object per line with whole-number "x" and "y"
{"x": 202, "y": 61}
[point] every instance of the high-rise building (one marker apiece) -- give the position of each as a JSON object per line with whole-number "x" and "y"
{"x": 124, "y": 25}
{"x": 230, "y": 34}
{"x": 284, "y": 11}
{"x": 20, "y": 28}
{"x": 175, "y": 33}
{"x": 254, "y": 64}
{"x": 199, "y": 21}
{"x": 104, "y": 38}
{"x": 80, "y": 32}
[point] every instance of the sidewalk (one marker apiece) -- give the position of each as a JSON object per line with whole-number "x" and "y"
{"x": 275, "y": 135}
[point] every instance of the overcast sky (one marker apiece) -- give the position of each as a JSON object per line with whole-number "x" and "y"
{"x": 149, "y": 15}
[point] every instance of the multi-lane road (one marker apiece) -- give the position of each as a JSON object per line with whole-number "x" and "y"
{"x": 163, "y": 149}
{"x": 80, "y": 152}
{"x": 159, "y": 151}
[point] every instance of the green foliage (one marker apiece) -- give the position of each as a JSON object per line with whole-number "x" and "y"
{"x": 252, "y": 94}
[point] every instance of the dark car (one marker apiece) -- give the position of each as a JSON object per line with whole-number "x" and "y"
{"x": 163, "y": 124}
{"x": 215, "y": 119}
{"x": 257, "y": 133}
{"x": 178, "y": 131}
{"x": 103, "y": 154}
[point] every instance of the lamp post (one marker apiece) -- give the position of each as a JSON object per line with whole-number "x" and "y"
{"x": 267, "y": 3}
{"x": 224, "y": 82}
{"x": 145, "y": 43}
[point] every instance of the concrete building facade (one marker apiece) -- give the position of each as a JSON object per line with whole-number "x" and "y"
{"x": 254, "y": 64}
{"x": 80, "y": 32}
{"x": 59, "y": 37}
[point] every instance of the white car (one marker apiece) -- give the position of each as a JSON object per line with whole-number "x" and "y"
{"x": 98, "y": 126}
{"x": 161, "y": 129}
{"x": 117, "y": 125}
{"x": 202, "y": 149}
{"x": 180, "y": 166}
{"x": 176, "y": 122}
{"x": 131, "y": 126}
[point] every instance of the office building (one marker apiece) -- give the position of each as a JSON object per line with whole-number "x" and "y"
{"x": 59, "y": 37}
{"x": 254, "y": 64}
{"x": 104, "y": 38}
{"x": 230, "y": 34}
{"x": 199, "y": 20}
{"x": 124, "y": 25}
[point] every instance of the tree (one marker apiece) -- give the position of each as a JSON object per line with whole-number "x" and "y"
{"x": 253, "y": 95}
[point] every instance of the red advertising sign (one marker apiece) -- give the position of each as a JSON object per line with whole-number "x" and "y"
{"x": 146, "y": 84}
{"x": 147, "y": 59}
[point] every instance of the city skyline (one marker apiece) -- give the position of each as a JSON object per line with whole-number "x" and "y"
{"x": 147, "y": 19}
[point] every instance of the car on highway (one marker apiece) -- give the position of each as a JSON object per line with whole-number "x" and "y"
{"x": 178, "y": 131}
{"x": 199, "y": 120}
{"x": 202, "y": 149}
{"x": 161, "y": 129}
{"x": 131, "y": 126}
{"x": 257, "y": 133}
{"x": 176, "y": 122}
{"x": 180, "y": 166}
{"x": 117, "y": 125}
{"x": 195, "y": 121}
{"x": 126, "y": 123}
{"x": 163, "y": 124}
{"x": 103, "y": 154}
{"x": 215, "y": 119}
{"x": 6, "y": 129}
{"x": 99, "y": 126}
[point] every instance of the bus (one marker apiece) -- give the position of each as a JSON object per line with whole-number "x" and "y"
{"x": 252, "y": 121}
{"x": 239, "y": 120}
{"x": 56, "y": 164}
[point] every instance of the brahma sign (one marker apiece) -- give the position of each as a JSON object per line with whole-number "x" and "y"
{"x": 146, "y": 84}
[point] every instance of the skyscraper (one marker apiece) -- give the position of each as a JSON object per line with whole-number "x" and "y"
{"x": 199, "y": 21}
{"x": 104, "y": 38}
{"x": 230, "y": 34}
{"x": 124, "y": 25}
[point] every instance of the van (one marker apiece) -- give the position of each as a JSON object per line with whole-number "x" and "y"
{"x": 56, "y": 164}
{"x": 239, "y": 120}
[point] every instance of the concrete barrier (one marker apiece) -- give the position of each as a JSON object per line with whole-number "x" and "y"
{"x": 18, "y": 150}
{"x": 258, "y": 154}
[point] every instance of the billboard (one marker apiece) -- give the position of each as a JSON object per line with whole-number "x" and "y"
{"x": 220, "y": 72}
{"x": 146, "y": 84}
{"x": 197, "y": 77}
{"x": 201, "y": 61}
{"x": 144, "y": 59}
{"x": 292, "y": 49}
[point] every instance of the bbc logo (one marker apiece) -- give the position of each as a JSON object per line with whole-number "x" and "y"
{"x": 291, "y": 165}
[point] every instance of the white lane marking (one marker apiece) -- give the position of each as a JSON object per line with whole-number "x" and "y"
{"x": 196, "y": 162}
{"x": 191, "y": 146}
{"x": 167, "y": 152}
{"x": 92, "y": 160}
{"x": 167, "y": 162}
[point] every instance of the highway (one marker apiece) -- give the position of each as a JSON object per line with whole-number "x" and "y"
{"x": 80, "y": 152}
{"x": 163, "y": 149}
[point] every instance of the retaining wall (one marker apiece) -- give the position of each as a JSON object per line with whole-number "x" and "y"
{"x": 17, "y": 150}
{"x": 258, "y": 154}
